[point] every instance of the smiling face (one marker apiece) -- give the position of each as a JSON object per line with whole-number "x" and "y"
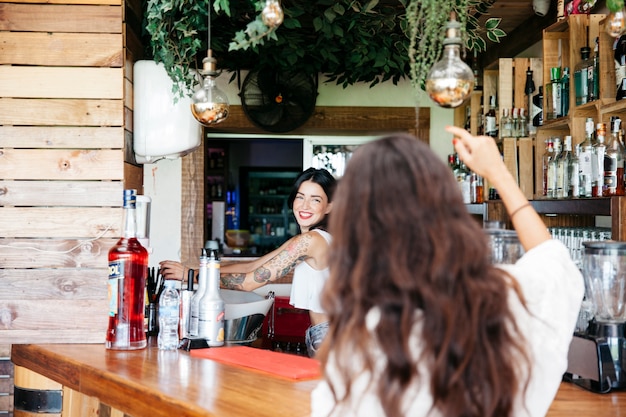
{"x": 310, "y": 205}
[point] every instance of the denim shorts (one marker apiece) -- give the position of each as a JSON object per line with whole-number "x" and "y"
{"x": 314, "y": 337}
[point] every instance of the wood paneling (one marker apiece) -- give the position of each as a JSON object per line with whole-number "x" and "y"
{"x": 60, "y": 193}
{"x": 60, "y": 164}
{"x": 49, "y": 137}
{"x": 53, "y": 18}
{"x": 59, "y": 112}
{"x": 52, "y": 253}
{"x": 61, "y": 49}
{"x": 61, "y": 82}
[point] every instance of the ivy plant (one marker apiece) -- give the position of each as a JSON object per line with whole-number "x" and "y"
{"x": 347, "y": 41}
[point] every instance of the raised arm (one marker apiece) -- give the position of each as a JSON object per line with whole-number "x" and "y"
{"x": 481, "y": 155}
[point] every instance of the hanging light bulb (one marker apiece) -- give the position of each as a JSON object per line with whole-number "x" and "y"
{"x": 616, "y": 23}
{"x": 272, "y": 14}
{"x": 209, "y": 105}
{"x": 450, "y": 81}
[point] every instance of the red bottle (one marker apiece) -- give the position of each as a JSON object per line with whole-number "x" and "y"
{"x": 128, "y": 270}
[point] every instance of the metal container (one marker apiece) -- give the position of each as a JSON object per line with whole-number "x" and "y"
{"x": 244, "y": 313}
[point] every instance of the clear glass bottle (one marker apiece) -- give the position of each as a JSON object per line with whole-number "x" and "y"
{"x": 553, "y": 95}
{"x": 169, "y": 315}
{"x": 574, "y": 174}
{"x": 552, "y": 168}
{"x": 506, "y": 124}
{"x": 198, "y": 294}
{"x": 585, "y": 157}
{"x": 594, "y": 81}
{"x": 562, "y": 169}
{"x": 547, "y": 157}
{"x": 581, "y": 76}
{"x": 480, "y": 118}
{"x": 597, "y": 163}
{"x": 211, "y": 312}
{"x": 128, "y": 271}
{"x": 522, "y": 124}
{"x": 614, "y": 162}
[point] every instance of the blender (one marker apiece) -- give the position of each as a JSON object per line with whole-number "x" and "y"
{"x": 597, "y": 354}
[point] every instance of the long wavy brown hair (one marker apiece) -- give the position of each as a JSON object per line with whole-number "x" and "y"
{"x": 403, "y": 241}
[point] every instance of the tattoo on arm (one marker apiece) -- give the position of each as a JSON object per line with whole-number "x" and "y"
{"x": 233, "y": 281}
{"x": 262, "y": 275}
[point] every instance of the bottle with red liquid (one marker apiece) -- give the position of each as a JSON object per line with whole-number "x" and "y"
{"x": 128, "y": 270}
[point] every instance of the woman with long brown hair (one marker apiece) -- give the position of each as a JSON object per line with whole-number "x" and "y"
{"x": 421, "y": 323}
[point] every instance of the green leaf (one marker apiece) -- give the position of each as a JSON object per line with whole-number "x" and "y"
{"x": 492, "y": 23}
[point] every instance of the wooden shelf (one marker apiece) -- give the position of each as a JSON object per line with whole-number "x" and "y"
{"x": 600, "y": 206}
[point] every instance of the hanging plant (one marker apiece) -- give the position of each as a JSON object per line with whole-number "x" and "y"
{"x": 344, "y": 40}
{"x": 427, "y": 18}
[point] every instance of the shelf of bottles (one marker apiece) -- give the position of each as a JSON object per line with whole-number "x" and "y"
{"x": 269, "y": 218}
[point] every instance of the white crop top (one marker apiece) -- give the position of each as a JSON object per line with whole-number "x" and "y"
{"x": 307, "y": 284}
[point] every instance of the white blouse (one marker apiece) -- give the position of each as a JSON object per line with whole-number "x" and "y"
{"x": 307, "y": 283}
{"x": 553, "y": 288}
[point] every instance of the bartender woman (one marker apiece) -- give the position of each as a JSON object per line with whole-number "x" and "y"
{"x": 305, "y": 254}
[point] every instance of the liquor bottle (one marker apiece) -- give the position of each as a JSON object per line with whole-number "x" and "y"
{"x": 523, "y": 124}
{"x": 506, "y": 124}
{"x": 468, "y": 118}
{"x": 211, "y": 313}
{"x": 515, "y": 127}
{"x": 547, "y": 157}
{"x": 529, "y": 89}
{"x": 128, "y": 271}
{"x": 169, "y": 316}
{"x": 597, "y": 163}
{"x": 553, "y": 95}
{"x": 478, "y": 79}
{"x": 537, "y": 110}
{"x": 585, "y": 157}
{"x": 614, "y": 162}
{"x": 491, "y": 123}
{"x": 480, "y": 118}
{"x": 581, "y": 76}
{"x": 552, "y": 168}
{"x": 620, "y": 67}
{"x": 574, "y": 174}
{"x": 565, "y": 92}
{"x": 197, "y": 296}
{"x": 594, "y": 81}
{"x": 562, "y": 169}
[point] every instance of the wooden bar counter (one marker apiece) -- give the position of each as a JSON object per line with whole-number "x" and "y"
{"x": 152, "y": 383}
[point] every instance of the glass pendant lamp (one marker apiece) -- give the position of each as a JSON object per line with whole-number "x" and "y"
{"x": 450, "y": 80}
{"x": 209, "y": 104}
{"x": 272, "y": 14}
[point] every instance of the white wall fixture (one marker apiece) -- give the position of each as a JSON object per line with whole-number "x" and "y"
{"x": 162, "y": 128}
{"x": 541, "y": 7}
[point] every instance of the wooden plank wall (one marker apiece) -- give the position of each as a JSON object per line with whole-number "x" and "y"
{"x": 65, "y": 132}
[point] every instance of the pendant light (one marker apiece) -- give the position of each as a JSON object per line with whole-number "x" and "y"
{"x": 616, "y": 23}
{"x": 450, "y": 81}
{"x": 209, "y": 105}
{"x": 272, "y": 14}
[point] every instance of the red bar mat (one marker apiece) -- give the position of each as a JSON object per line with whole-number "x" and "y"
{"x": 276, "y": 363}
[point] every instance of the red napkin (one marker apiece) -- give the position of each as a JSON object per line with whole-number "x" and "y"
{"x": 276, "y": 363}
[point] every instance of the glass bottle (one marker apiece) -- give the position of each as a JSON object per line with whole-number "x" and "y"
{"x": 585, "y": 157}
{"x": 620, "y": 67}
{"x": 197, "y": 296}
{"x": 547, "y": 157}
{"x": 553, "y": 95}
{"x": 529, "y": 88}
{"x": 211, "y": 312}
{"x": 537, "y": 110}
{"x": 597, "y": 163}
{"x": 581, "y": 76}
{"x": 574, "y": 174}
{"x": 565, "y": 92}
{"x": 478, "y": 80}
{"x": 552, "y": 168}
{"x": 522, "y": 124}
{"x": 614, "y": 162}
{"x": 491, "y": 122}
{"x": 468, "y": 118}
{"x": 594, "y": 81}
{"x": 480, "y": 118}
{"x": 562, "y": 169}
{"x": 128, "y": 271}
{"x": 506, "y": 124}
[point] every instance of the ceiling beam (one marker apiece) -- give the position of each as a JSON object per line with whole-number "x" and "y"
{"x": 526, "y": 35}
